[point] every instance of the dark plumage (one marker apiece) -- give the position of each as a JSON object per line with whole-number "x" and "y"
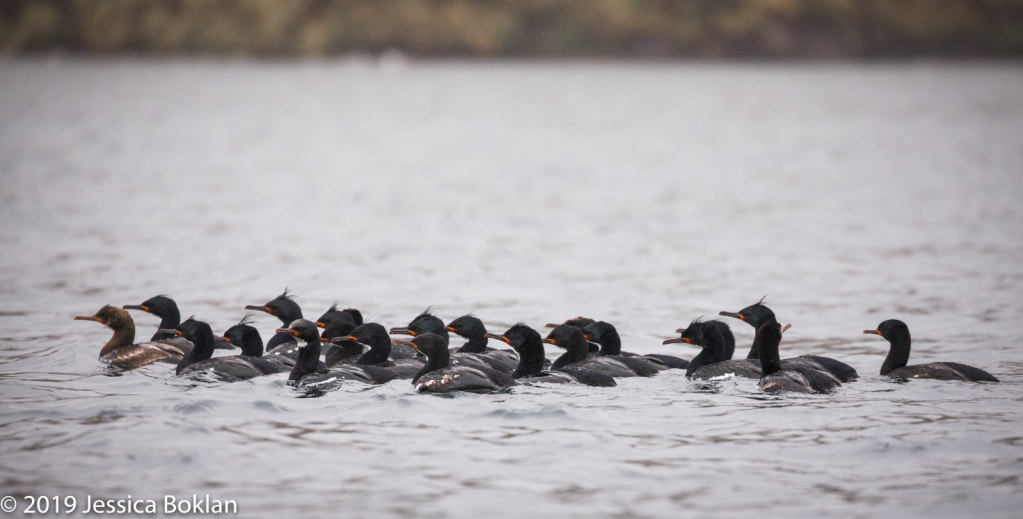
{"x": 342, "y": 352}
{"x": 287, "y": 310}
{"x": 758, "y": 313}
{"x": 897, "y": 334}
{"x": 713, "y": 361}
{"x": 163, "y": 307}
{"x": 120, "y": 351}
{"x": 429, "y": 323}
{"x": 333, "y": 314}
{"x": 576, "y": 355}
{"x": 227, "y": 369}
{"x": 722, "y": 328}
{"x": 471, "y": 328}
{"x": 610, "y": 342}
{"x": 439, "y": 376}
{"x": 527, "y": 342}
{"x": 372, "y": 367}
{"x": 247, "y": 338}
{"x": 423, "y": 323}
{"x": 773, "y": 379}
{"x": 579, "y": 322}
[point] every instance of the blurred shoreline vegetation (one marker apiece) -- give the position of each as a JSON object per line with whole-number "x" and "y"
{"x": 518, "y": 28}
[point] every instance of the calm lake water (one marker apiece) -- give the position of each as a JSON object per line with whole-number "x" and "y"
{"x": 645, "y": 195}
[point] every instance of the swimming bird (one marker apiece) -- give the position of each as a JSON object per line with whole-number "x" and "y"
{"x": 472, "y": 328}
{"x": 163, "y": 307}
{"x": 571, "y": 339}
{"x": 758, "y": 313}
{"x": 580, "y": 322}
{"x": 232, "y": 368}
{"x": 429, "y": 323}
{"x": 713, "y": 360}
{"x": 287, "y": 310}
{"x": 529, "y": 345}
{"x": 372, "y": 367}
{"x": 344, "y": 352}
{"x": 120, "y": 351}
{"x": 439, "y": 376}
{"x": 610, "y": 342}
{"x": 333, "y": 314}
{"x": 375, "y": 365}
{"x": 722, "y": 328}
{"x": 425, "y": 322}
{"x": 897, "y": 334}
{"x": 167, "y": 310}
{"x": 247, "y": 338}
{"x": 774, "y": 379}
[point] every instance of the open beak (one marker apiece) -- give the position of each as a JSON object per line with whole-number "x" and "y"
{"x": 401, "y": 331}
{"x": 287, "y": 330}
{"x": 171, "y": 331}
{"x": 678, "y": 340}
{"x": 260, "y": 309}
{"x": 90, "y": 318}
{"x": 868, "y": 332}
{"x": 501, "y": 338}
{"x": 732, "y": 314}
{"x": 346, "y": 338}
{"x": 144, "y": 308}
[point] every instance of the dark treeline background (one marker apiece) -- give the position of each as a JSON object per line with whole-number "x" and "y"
{"x": 615, "y": 28}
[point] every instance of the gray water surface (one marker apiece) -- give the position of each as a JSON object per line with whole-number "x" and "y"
{"x": 644, "y": 195}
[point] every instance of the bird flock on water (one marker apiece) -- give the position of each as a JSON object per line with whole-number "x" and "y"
{"x": 350, "y": 350}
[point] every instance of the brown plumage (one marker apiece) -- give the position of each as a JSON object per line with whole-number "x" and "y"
{"x": 120, "y": 351}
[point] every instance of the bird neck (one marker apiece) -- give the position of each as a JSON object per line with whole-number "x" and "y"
{"x": 287, "y": 315}
{"x": 476, "y": 344}
{"x": 170, "y": 318}
{"x": 202, "y": 348}
{"x": 770, "y": 359}
{"x": 573, "y": 353}
{"x": 754, "y": 352}
{"x": 898, "y": 353}
{"x": 435, "y": 362}
{"x": 610, "y": 343}
{"x": 124, "y": 335}
{"x": 713, "y": 351}
{"x": 252, "y": 344}
{"x": 308, "y": 361}
{"x": 377, "y": 354}
{"x": 530, "y": 358}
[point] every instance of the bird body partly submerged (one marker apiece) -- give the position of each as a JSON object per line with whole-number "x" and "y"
{"x": 531, "y": 367}
{"x": 252, "y": 363}
{"x": 122, "y": 352}
{"x": 798, "y": 377}
{"x": 757, "y": 314}
{"x": 576, "y": 355}
{"x": 895, "y": 364}
{"x": 372, "y": 367}
{"x": 606, "y": 336}
{"x": 439, "y": 375}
